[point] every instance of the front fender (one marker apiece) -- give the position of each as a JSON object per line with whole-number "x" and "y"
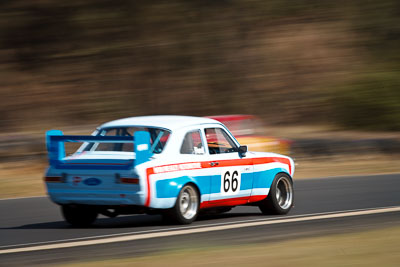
{"x": 264, "y": 179}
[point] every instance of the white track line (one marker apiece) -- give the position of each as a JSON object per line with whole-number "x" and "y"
{"x": 133, "y": 237}
{"x": 16, "y": 198}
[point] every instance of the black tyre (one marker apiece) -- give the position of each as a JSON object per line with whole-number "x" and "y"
{"x": 281, "y": 196}
{"x": 186, "y": 207}
{"x": 79, "y": 216}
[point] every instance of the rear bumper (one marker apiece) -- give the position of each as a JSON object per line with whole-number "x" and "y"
{"x": 63, "y": 197}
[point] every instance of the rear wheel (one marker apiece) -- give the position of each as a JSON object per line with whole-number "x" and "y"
{"x": 79, "y": 216}
{"x": 186, "y": 207}
{"x": 280, "y": 198}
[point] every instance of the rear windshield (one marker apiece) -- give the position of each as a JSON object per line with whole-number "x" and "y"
{"x": 158, "y": 139}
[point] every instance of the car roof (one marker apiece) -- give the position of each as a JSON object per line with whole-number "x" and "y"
{"x": 160, "y": 121}
{"x": 233, "y": 117}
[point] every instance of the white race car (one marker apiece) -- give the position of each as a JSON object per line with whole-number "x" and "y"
{"x": 169, "y": 165}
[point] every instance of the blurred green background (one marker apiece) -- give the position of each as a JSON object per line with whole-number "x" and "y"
{"x": 289, "y": 62}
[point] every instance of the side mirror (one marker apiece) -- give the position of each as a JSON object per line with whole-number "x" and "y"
{"x": 242, "y": 151}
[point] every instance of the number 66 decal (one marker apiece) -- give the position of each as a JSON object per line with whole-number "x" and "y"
{"x": 230, "y": 182}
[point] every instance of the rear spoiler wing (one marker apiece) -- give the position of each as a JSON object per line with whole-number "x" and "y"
{"x": 55, "y": 140}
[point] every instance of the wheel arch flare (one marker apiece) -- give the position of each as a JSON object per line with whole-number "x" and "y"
{"x": 166, "y": 191}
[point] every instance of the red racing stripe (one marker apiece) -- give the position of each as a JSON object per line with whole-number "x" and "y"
{"x": 257, "y": 161}
{"x": 224, "y": 202}
{"x": 227, "y": 163}
{"x": 231, "y": 201}
{"x": 149, "y": 172}
{"x": 257, "y": 198}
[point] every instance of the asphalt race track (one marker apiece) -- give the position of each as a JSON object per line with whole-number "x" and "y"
{"x": 32, "y": 231}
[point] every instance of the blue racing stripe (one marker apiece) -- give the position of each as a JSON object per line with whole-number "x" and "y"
{"x": 212, "y": 184}
{"x": 171, "y": 187}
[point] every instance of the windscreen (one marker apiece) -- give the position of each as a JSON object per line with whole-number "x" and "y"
{"x": 158, "y": 139}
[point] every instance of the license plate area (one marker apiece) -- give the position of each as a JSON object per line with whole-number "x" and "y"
{"x": 90, "y": 181}
{"x": 103, "y": 182}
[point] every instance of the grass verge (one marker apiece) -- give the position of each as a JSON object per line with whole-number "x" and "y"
{"x": 22, "y": 179}
{"x": 347, "y": 165}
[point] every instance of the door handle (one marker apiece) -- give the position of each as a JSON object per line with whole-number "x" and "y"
{"x": 214, "y": 163}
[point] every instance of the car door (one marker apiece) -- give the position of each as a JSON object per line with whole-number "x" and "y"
{"x": 192, "y": 150}
{"x": 231, "y": 175}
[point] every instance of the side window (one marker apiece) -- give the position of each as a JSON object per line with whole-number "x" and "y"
{"x": 219, "y": 142}
{"x": 192, "y": 144}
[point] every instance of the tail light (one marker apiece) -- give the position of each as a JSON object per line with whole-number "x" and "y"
{"x": 129, "y": 180}
{"x": 53, "y": 179}
{"x": 56, "y": 179}
{"x": 126, "y": 180}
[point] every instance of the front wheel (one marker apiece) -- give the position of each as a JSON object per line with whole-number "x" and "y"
{"x": 79, "y": 216}
{"x": 186, "y": 207}
{"x": 280, "y": 197}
